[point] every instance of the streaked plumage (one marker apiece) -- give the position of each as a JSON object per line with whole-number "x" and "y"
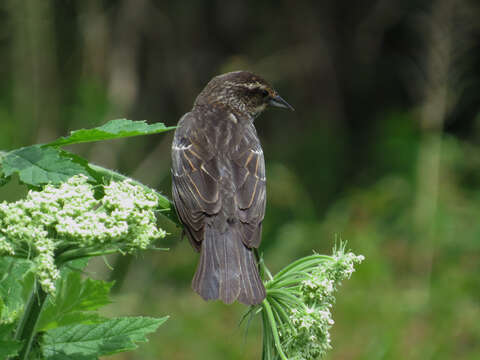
{"x": 218, "y": 176}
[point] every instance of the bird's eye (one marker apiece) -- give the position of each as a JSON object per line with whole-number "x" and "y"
{"x": 264, "y": 92}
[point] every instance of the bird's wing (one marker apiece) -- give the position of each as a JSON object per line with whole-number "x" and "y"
{"x": 195, "y": 179}
{"x": 249, "y": 177}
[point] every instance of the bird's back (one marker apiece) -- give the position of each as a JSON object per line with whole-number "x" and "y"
{"x": 219, "y": 193}
{"x": 218, "y": 184}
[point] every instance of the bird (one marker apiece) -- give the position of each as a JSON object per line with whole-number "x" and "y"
{"x": 218, "y": 184}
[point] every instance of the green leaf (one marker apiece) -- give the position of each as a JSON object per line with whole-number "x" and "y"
{"x": 75, "y": 265}
{"x": 12, "y": 271}
{"x": 60, "y": 355}
{"x": 83, "y": 163}
{"x": 114, "y": 129}
{"x": 41, "y": 164}
{"x": 38, "y": 165}
{"x": 6, "y": 331}
{"x": 27, "y": 283}
{"x": 91, "y": 341}
{"x": 8, "y": 346}
{"x": 4, "y": 179}
{"x": 74, "y": 302}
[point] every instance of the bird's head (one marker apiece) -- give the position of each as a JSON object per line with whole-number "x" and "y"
{"x": 242, "y": 91}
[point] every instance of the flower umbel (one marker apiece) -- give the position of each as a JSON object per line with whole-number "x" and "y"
{"x": 297, "y": 311}
{"x": 69, "y": 222}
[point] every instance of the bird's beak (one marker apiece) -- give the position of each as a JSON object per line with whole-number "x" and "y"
{"x": 279, "y": 102}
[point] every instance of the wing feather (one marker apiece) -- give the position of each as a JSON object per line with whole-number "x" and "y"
{"x": 249, "y": 173}
{"x": 199, "y": 184}
{"x": 195, "y": 180}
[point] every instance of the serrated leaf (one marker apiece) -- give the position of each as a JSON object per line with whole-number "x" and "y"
{"x": 114, "y": 129}
{"x": 9, "y": 348}
{"x": 62, "y": 356}
{"x": 6, "y": 331}
{"x": 82, "y": 162}
{"x": 75, "y": 301}
{"x": 12, "y": 270}
{"x": 109, "y": 337}
{"x": 38, "y": 165}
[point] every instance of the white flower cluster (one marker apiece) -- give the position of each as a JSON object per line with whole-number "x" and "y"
{"x": 5, "y": 246}
{"x": 309, "y": 337}
{"x": 124, "y": 213}
{"x": 71, "y": 215}
{"x": 44, "y": 267}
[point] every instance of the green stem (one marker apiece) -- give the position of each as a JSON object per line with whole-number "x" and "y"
{"x": 271, "y": 320}
{"x": 291, "y": 296}
{"x": 267, "y": 351}
{"x": 261, "y": 265}
{"x": 300, "y": 265}
{"x": 26, "y": 329}
{"x": 77, "y": 253}
{"x": 282, "y": 314}
{"x": 291, "y": 280}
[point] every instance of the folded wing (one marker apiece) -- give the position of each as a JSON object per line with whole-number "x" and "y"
{"x": 249, "y": 177}
{"x": 195, "y": 179}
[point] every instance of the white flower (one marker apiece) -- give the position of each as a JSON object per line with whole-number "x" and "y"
{"x": 70, "y": 215}
{"x": 307, "y": 337}
{"x": 5, "y": 246}
{"x": 45, "y": 268}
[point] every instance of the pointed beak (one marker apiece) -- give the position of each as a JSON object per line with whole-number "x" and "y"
{"x": 279, "y": 102}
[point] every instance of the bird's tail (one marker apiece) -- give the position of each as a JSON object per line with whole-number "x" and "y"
{"x": 227, "y": 269}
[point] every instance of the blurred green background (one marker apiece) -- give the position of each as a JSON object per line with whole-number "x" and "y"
{"x": 383, "y": 151}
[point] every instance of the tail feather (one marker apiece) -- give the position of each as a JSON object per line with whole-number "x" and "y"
{"x": 227, "y": 269}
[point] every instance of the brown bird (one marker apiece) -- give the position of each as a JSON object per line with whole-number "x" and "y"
{"x": 218, "y": 176}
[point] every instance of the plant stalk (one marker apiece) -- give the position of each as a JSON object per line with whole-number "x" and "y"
{"x": 271, "y": 319}
{"x": 26, "y": 329}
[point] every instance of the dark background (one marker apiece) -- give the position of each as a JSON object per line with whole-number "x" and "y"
{"x": 383, "y": 151}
